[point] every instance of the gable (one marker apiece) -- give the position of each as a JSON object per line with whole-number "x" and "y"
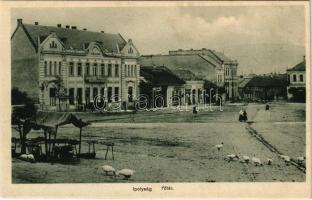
{"x": 130, "y": 51}
{"x": 94, "y": 50}
{"x": 21, "y": 45}
{"x": 24, "y": 63}
{"x": 52, "y": 43}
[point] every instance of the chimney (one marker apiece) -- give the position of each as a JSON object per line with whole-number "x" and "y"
{"x": 36, "y": 23}
{"x": 84, "y": 29}
{"x": 102, "y": 31}
{"x": 303, "y": 58}
{"x": 19, "y": 21}
{"x": 130, "y": 41}
{"x": 67, "y": 26}
{"x": 59, "y": 25}
{"x": 74, "y": 27}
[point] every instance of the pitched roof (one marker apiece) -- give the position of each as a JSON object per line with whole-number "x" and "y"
{"x": 211, "y": 58}
{"x": 299, "y": 67}
{"x": 268, "y": 81}
{"x": 243, "y": 83}
{"x": 186, "y": 75}
{"x": 160, "y": 76}
{"x": 76, "y": 38}
{"x": 195, "y": 63}
{"x": 222, "y": 57}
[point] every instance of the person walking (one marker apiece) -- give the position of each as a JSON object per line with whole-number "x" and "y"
{"x": 245, "y": 118}
{"x": 194, "y": 110}
{"x": 240, "y": 117}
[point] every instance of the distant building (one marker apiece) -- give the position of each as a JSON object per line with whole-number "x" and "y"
{"x": 193, "y": 87}
{"x": 159, "y": 85}
{"x": 242, "y": 82}
{"x": 296, "y": 89}
{"x": 88, "y": 64}
{"x": 206, "y": 64}
{"x": 264, "y": 87}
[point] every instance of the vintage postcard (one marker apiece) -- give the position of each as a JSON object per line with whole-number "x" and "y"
{"x": 155, "y": 99}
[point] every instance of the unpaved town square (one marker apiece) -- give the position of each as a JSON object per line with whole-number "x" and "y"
{"x": 172, "y": 146}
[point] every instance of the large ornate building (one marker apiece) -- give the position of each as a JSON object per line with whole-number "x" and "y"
{"x": 63, "y": 67}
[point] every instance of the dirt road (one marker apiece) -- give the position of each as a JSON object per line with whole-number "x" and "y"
{"x": 173, "y": 152}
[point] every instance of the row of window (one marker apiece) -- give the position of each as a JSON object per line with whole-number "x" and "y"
{"x": 55, "y": 68}
{"x": 95, "y": 92}
{"x": 95, "y": 70}
{"x": 52, "y": 68}
{"x": 227, "y": 71}
{"x": 294, "y": 76}
{"x": 219, "y": 78}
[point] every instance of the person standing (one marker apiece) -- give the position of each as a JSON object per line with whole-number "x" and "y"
{"x": 245, "y": 118}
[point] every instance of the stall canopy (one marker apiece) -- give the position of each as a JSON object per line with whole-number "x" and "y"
{"x": 50, "y": 122}
{"x": 53, "y": 121}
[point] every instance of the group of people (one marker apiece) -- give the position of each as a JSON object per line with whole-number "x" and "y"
{"x": 242, "y": 116}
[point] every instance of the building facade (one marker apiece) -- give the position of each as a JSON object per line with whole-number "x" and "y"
{"x": 193, "y": 89}
{"x": 160, "y": 87}
{"x": 206, "y": 64}
{"x": 72, "y": 67}
{"x": 264, "y": 87}
{"x": 296, "y": 88}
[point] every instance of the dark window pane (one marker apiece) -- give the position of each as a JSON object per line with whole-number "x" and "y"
{"x": 87, "y": 95}
{"x": 116, "y": 70}
{"x": 130, "y": 94}
{"x": 79, "y": 95}
{"x": 55, "y": 67}
{"x": 94, "y": 69}
{"x": 45, "y": 68}
{"x": 109, "y": 70}
{"x": 102, "y": 70}
{"x": 50, "y": 68}
{"x": 52, "y": 94}
{"x": 71, "y": 68}
{"x": 109, "y": 94}
{"x": 116, "y": 93}
{"x": 60, "y": 68}
{"x": 71, "y": 96}
{"x": 79, "y": 69}
{"x": 87, "y": 69}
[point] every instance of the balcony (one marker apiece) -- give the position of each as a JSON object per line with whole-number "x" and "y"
{"x": 95, "y": 79}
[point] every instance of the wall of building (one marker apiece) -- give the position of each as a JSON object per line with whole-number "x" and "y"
{"x": 129, "y": 78}
{"x": 296, "y": 89}
{"x": 90, "y": 84}
{"x": 196, "y": 64}
{"x": 298, "y": 82}
{"x": 24, "y": 64}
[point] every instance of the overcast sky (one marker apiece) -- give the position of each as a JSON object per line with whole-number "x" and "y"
{"x": 159, "y": 29}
